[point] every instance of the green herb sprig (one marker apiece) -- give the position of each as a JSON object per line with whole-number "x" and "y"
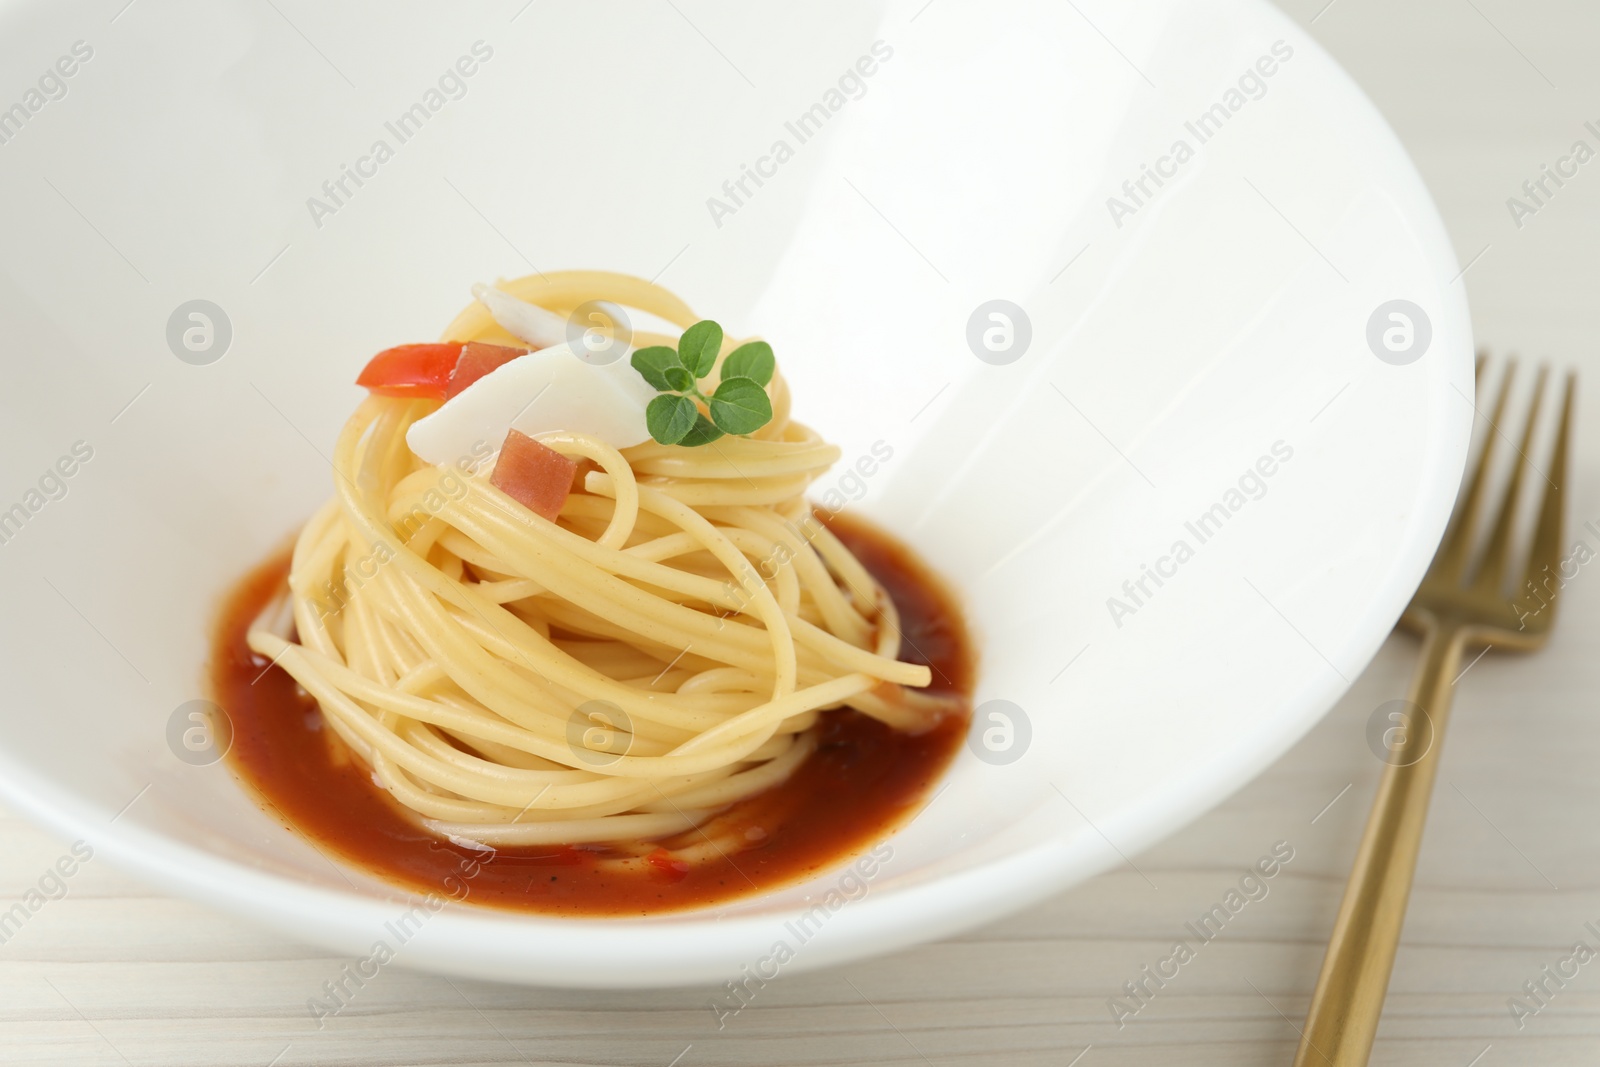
{"x": 738, "y": 406}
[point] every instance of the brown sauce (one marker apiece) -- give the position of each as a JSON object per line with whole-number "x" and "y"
{"x": 856, "y": 789}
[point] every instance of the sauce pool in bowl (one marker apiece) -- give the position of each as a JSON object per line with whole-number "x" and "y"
{"x": 863, "y": 781}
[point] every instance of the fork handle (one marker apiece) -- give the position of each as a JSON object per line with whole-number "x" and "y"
{"x": 1355, "y": 972}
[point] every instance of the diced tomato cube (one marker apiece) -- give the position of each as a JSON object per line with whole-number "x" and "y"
{"x": 534, "y": 475}
{"x": 478, "y": 359}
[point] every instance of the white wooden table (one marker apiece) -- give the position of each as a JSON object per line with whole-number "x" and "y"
{"x": 1483, "y": 92}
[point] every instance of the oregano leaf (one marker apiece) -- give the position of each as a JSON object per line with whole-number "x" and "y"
{"x": 698, "y": 347}
{"x": 654, "y": 363}
{"x": 754, "y": 361}
{"x": 703, "y": 432}
{"x": 670, "y": 418}
{"x": 740, "y": 406}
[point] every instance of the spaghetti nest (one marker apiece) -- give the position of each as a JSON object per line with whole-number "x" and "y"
{"x": 661, "y": 650}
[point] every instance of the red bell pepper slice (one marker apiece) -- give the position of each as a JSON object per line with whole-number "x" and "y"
{"x": 411, "y": 371}
{"x": 432, "y": 371}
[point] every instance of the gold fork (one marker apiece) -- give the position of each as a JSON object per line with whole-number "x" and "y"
{"x": 1459, "y": 603}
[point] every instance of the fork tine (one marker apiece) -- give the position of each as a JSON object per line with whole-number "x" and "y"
{"x": 1544, "y": 551}
{"x": 1451, "y": 559}
{"x": 1497, "y": 551}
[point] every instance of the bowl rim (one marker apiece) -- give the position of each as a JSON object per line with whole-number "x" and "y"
{"x": 588, "y": 952}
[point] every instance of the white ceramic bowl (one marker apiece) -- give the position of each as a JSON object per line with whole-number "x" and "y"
{"x": 1213, "y": 328}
